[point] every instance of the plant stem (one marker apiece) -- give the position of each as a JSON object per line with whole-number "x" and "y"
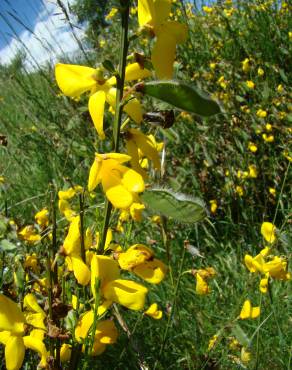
{"x": 172, "y": 307}
{"x": 125, "y": 6}
{"x": 81, "y": 212}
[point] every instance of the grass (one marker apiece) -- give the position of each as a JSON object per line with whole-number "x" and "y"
{"x": 51, "y": 143}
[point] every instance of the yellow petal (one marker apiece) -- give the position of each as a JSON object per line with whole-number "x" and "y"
{"x": 14, "y": 353}
{"x": 161, "y": 11}
{"x": 153, "y": 312}
{"x": 152, "y": 271}
{"x": 145, "y": 12}
{"x": 132, "y": 150}
{"x": 69, "y": 193}
{"x": 264, "y": 283}
{"x": 96, "y": 109}
{"x": 134, "y": 109}
{"x": 103, "y": 268}
{"x": 146, "y": 146}
{"x": 135, "y": 255}
{"x": 246, "y": 310}
{"x": 134, "y": 72}
{"x": 11, "y": 317}
{"x": 37, "y": 346}
{"x": 106, "y": 332}
{"x": 88, "y": 239}
{"x": 65, "y": 352}
{"x": 94, "y": 174}
{"x": 118, "y": 157}
{"x": 126, "y": 292}
{"x": 74, "y": 80}
{"x": 81, "y": 270}
{"x": 117, "y": 194}
{"x": 37, "y": 333}
{"x": 178, "y": 30}
{"x": 255, "y": 312}
{"x": 36, "y": 320}
{"x": 163, "y": 55}
{"x": 133, "y": 181}
{"x": 202, "y": 286}
{"x": 268, "y": 232}
{"x": 30, "y": 303}
{"x": 72, "y": 241}
{"x": 102, "y": 308}
{"x": 4, "y": 336}
{"x": 83, "y": 325}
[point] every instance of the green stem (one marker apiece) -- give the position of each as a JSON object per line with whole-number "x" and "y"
{"x": 81, "y": 212}
{"x": 172, "y": 308}
{"x": 125, "y": 6}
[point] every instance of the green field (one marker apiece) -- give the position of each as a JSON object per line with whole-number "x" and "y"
{"x": 220, "y": 177}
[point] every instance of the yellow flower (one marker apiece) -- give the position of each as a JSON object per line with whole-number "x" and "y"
{"x": 250, "y": 84}
{"x": 13, "y": 329}
{"x": 268, "y": 138}
{"x": 153, "y": 15}
{"x": 74, "y": 80}
{"x": 42, "y": 218}
{"x": 252, "y": 147}
{"x": 120, "y": 184}
{"x": 261, "y": 72}
{"x": 212, "y": 65}
{"x": 154, "y": 312}
{"x": 249, "y": 312}
{"x": 111, "y": 14}
{"x": 29, "y": 234}
{"x": 277, "y": 269}
{"x": 125, "y": 292}
{"x": 31, "y": 262}
{"x": 70, "y": 193}
{"x": 253, "y": 172}
{"x": 65, "y": 352}
{"x": 212, "y": 342}
{"x": 256, "y": 264}
{"x": 246, "y": 65}
{"x": 222, "y": 82}
{"x": 139, "y": 145}
{"x": 264, "y": 284}
{"x": 268, "y": 232}
{"x": 2, "y": 179}
{"x": 140, "y": 259}
{"x": 269, "y": 127}
{"x": 239, "y": 190}
{"x": 261, "y": 113}
{"x": 272, "y": 191}
{"x": 105, "y": 333}
{"x": 287, "y": 155}
{"x": 208, "y": 9}
{"x": 72, "y": 250}
{"x": 202, "y": 287}
{"x": 136, "y": 211}
{"x": 280, "y": 88}
{"x": 214, "y": 205}
{"x": 245, "y": 356}
{"x": 156, "y": 219}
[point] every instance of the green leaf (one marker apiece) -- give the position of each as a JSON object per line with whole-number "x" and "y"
{"x": 7, "y": 246}
{"x": 240, "y": 335}
{"x": 181, "y": 207}
{"x": 181, "y": 95}
{"x": 108, "y": 65}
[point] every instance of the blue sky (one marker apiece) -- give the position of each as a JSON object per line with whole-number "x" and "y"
{"x": 37, "y": 24}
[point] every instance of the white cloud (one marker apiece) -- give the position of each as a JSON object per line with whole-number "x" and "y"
{"x": 51, "y": 37}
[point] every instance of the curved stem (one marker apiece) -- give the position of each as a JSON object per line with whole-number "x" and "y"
{"x": 125, "y": 6}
